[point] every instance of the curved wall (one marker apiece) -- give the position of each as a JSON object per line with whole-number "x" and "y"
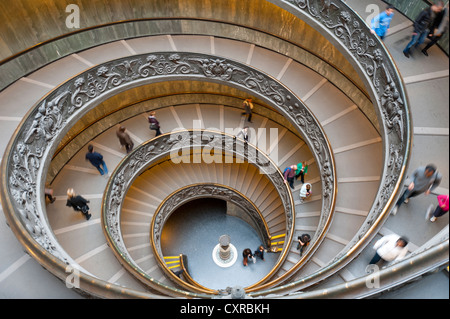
{"x": 27, "y": 24}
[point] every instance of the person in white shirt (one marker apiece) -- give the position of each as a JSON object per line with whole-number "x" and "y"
{"x": 244, "y": 133}
{"x": 305, "y": 192}
{"x": 390, "y": 248}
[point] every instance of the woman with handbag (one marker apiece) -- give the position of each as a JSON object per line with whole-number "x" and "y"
{"x": 440, "y": 210}
{"x": 154, "y": 124}
{"x": 247, "y": 254}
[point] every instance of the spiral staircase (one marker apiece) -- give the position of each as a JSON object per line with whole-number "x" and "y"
{"x": 197, "y": 85}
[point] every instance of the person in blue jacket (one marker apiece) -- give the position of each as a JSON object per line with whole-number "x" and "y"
{"x": 381, "y": 23}
{"x": 96, "y": 160}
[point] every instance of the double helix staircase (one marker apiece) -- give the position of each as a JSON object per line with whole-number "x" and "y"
{"x": 351, "y": 131}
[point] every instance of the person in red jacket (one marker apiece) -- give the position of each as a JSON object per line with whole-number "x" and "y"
{"x": 441, "y": 209}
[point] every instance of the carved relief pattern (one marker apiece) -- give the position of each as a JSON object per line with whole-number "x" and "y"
{"x": 143, "y": 156}
{"x": 348, "y": 28}
{"x": 45, "y": 125}
{"x": 146, "y": 154}
{"x": 201, "y": 191}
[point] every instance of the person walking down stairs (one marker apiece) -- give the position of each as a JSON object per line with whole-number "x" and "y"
{"x": 96, "y": 159}
{"x": 440, "y": 210}
{"x": 49, "y": 194}
{"x": 154, "y": 123}
{"x": 302, "y": 169}
{"x": 289, "y": 175}
{"x": 390, "y": 248}
{"x": 248, "y": 107}
{"x": 422, "y": 24}
{"x": 438, "y": 29}
{"x": 125, "y": 139}
{"x": 381, "y": 23}
{"x": 305, "y": 192}
{"x": 303, "y": 242}
{"x": 78, "y": 203}
{"x": 423, "y": 180}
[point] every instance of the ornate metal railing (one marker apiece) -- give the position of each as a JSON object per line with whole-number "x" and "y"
{"x": 29, "y": 152}
{"x": 170, "y": 145}
{"x": 348, "y": 31}
{"x": 207, "y": 190}
{"x": 27, "y": 155}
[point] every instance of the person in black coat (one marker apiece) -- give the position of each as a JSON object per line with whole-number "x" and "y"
{"x": 303, "y": 242}
{"x": 438, "y": 29}
{"x": 422, "y": 24}
{"x": 78, "y": 203}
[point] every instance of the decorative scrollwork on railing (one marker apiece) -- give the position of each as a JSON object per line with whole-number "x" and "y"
{"x": 197, "y": 191}
{"x": 30, "y": 150}
{"x": 385, "y": 85}
{"x": 171, "y": 144}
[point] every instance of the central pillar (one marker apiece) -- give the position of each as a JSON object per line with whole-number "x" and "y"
{"x": 224, "y": 254}
{"x": 225, "y": 250}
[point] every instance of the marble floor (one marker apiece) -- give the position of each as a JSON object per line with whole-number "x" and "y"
{"x": 209, "y": 219}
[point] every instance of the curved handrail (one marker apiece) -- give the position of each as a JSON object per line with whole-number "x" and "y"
{"x": 378, "y": 69}
{"x": 146, "y": 154}
{"x": 186, "y": 274}
{"x": 193, "y": 192}
{"x": 28, "y": 154}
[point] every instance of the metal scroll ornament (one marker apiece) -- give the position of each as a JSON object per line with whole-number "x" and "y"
{"x": 197, "y": 191}
{"x": 150, "y": 152}
{"x": 31, "y": 148}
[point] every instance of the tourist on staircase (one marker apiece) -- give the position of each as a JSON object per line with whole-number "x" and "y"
{"x": 78, "y": 203}
{"x": 305, "y": 192}
{"x": 422, "y": 26}
{"x": 423, "y": 180}
{"x": 390, "y": 248}
{"x": 96, "y": 159}
{"x": 154, "y": 123}
{"x": 125, "y": 139}
{"x": 440, "y": 210}
{"x": 302, "y": 169}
